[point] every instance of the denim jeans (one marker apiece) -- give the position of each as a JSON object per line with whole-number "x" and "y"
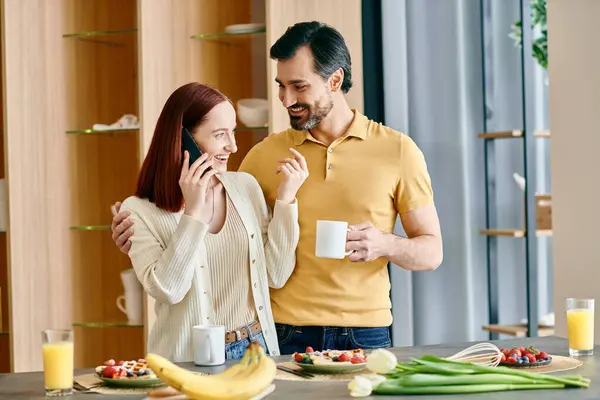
{"x": 236, "y": 350}
{"x": 298, "y": 338}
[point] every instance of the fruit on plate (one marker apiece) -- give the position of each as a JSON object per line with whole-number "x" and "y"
{"x": 134, "y": 369}
{"x": 356, "y": 356}
{"x": 249, "y": 377}
{"x": 524, "y": 357}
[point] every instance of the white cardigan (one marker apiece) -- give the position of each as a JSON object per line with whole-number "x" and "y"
{"x": 169, "y": 258}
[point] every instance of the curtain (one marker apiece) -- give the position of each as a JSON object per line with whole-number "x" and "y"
{"x": 433, "y": 85}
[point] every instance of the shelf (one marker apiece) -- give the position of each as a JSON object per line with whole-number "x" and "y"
{"x": 106, "y": 325}
{"x": 110, "y": 132}
{"x": 96, "y": 36}
{"x": 501, "y": 135}
{"x": 228, "y": 38}
{"x": 90, "y": 228}
{"x": 518, "y": 330}
{"x": 541, "y": 134}
{"x": 511, "y": 134}
{"x": 516, "y": 233}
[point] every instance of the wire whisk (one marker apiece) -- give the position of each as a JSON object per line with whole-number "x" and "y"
{"x": 486, "y": 354}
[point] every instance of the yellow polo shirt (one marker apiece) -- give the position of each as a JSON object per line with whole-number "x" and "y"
{"x": 372, "y": 173}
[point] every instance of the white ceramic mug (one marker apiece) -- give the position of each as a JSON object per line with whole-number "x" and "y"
{"x": 331, "y": 239}
{"x": 209, "y": 344}
{"x": 130, "y": 281}
{"x": 133, "y": 306}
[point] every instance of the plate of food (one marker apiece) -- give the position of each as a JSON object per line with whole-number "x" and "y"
{"x": 524, "y": 357}
{"x": 330, "y": 361}
{"x": 131, "y": 374}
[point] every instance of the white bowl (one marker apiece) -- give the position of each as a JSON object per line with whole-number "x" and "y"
{"x": 253, "y": 112}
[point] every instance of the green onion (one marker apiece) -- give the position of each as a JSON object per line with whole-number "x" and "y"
{"x": 440, "y": 380}
{"x": 391, "y": 388}
{"x": 500, "y": 370}
{"x": 433, "y": 375}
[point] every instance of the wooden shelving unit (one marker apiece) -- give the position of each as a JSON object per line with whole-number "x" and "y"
{"x": 101, "y": 45}
{"x": 519, "y": 330}
{"x": 515, "y": 233}
{"x": 536, "y": 214}
{"x": 92, "y": 61}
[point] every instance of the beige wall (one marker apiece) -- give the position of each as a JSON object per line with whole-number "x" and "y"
{"x": 574, "y": 70}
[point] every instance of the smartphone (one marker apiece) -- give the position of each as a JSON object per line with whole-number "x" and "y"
{"x": 188, "y": 143}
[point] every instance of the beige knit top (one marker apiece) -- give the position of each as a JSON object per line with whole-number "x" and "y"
{"x": 230, "y": 272}
{"x": 170, "y": 258}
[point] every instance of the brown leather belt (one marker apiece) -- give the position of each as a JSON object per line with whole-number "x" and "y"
{"x": 243, "y": 333}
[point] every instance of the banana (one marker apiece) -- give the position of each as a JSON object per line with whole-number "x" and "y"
{"x": 244, "y": 380}
{"x": 248, "y": 383}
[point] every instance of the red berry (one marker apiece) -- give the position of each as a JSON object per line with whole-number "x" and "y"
{"x": 503, "y": 350}
{"x": 110, "y": 363}
{"x": 343, "y": 357}
{"x": 120, "y": 363}
{"x": 310, "y": 350}
{"x": 109, "y": 372}
{"x": 357, "y": 360}
{"x": 542, "y": 355}
{"x": 521, "y": 349}
{"x": 503, "y": 358}
{"x": 511, "y": 360}
{"x": 517, "y": 352}
{"x": 298, "y": 357}
{"x": 531, "y": 358}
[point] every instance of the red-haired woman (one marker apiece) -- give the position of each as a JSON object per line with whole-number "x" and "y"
{"x": 205, "y": 245}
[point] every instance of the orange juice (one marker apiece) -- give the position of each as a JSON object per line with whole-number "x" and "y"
{"x": 58, "y": 365}
{"x": 580, "y": 324}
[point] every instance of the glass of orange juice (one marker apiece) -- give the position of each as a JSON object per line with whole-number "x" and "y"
{"x": 580, "y": 326}
{"x": 57, "y": 349}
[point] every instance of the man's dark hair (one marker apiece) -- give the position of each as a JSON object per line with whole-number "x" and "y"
{"x": 326, "y": 43}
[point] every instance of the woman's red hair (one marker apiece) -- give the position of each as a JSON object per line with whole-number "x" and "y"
{"x": 158, "y": 180}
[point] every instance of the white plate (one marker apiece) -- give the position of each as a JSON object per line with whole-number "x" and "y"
{"x": 240, "y": 28}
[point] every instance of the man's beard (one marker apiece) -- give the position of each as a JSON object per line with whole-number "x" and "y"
{"x": 313, "y": 116}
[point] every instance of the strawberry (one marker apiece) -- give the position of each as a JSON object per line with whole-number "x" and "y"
{"x": 542, "y": 355}
{"x": 109, "y": 372}
{"x": 120, "y": 363}
{"x": 517, "y": 352}
{"x": 531, "y": 358}
{"x": 344, "y": 357}
{"x": 503, "y": 358}
{"x": 521, "y": 349}
{"x": 357, "y": 359}
{"x": 503, "y": 350}
{"x": 298, "y": 357}
{"x": 511, "y": 360}
{"x": 110, "y": 363}
{"x": 310, "y": 350}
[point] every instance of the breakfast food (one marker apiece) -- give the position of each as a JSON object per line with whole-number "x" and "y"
{"x": 135, "y": 369}
{"x": 524, "y": 357}
{"x": 356, "y": 356}
{"x": 252, "y": 375}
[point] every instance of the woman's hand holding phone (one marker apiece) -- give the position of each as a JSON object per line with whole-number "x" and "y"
{"x": 194, "y": 186}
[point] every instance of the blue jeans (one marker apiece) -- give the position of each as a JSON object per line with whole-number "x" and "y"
{"x": 298, "y": 338}
{"x": 236, "y": 350}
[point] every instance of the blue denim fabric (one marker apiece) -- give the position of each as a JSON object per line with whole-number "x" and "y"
{"x": 298, "y": 338}
{"x": 236, "y": 350}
